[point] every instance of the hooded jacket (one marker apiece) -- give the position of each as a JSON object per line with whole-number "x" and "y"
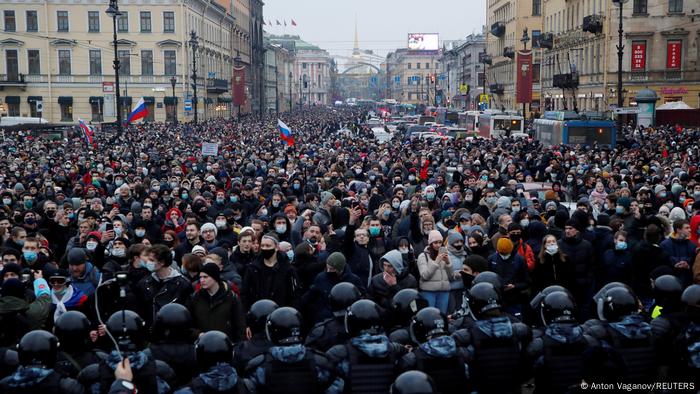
{"x": 318, "y": 295}
{"x": 380, "y": 291}
{"x": 88, "y": 282}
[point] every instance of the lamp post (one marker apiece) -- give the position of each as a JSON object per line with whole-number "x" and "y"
{"x": 193, "y": 47}
{"x": 525, "y": 39}
{"x": 290, "y": 91}
{"x": 620, "y": 52}
{"x": 113, "y": 12}
{"x": 173, "y": 81}
{"x": 237, "y": 64}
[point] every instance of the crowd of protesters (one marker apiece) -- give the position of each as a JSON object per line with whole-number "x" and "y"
{"x": 142, "y": 222}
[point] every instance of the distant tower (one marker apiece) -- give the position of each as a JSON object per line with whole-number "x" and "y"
{"x": 356, "y": 48}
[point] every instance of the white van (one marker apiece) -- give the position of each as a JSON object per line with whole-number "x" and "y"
{"x": 18, "y": 120}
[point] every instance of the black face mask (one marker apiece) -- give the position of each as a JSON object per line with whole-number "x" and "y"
{"x": 515, "y": 237}
{"x": 267, "y": 253}
{"x": 467, "y": 279}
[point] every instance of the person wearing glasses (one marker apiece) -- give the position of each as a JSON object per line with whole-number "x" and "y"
{"x": 64, "y": 296}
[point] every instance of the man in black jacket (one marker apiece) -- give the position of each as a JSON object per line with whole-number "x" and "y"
{"x": 192, "y": 239}
{"x": 270, "y": 276}
{"x": 163, "y": 286}
{"x": 579, "y": 254}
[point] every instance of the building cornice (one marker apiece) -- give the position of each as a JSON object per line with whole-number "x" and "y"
{"x": 11, "y": 42}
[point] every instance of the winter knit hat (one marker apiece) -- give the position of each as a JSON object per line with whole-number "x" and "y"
{"x": 504, "y": 246}
{"x": 212, "y": 270}
{"x": 198, "y": 249}
{"x": 336, "y": 261}
{"x": 434, "y": 236}
{"x": 325, "y": 196}
{"x": 208, "y": 227}
{"x": 454, "y": 237}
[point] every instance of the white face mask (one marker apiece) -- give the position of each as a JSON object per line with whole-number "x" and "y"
{"x": 91, "y": 246}
{"x": 524, "y": 223}
{"x": 551, "y": 249}
{"x": 118, "y": 252}
{"x": 280, "y": 228}
{"x": 221, "y": 224}
{"x": 140, "y": 233}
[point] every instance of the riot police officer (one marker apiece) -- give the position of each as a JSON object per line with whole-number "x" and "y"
{"x": 559, "y": 349}
{"x": 37, "y": 352}
{"x": 688, "y": 343}
{"x": 623, "y": 328}
{"x": 73, "y": 332}
{"x": 368, "y": 361}
{"x": 413, "y": 382}
{"x": 498, "y": 362}
{"x": 257, "y": 342}
{"x": 405, "y": 304}
{"x": 150, "y": 375}
{"x": 214, "y": 352}
{"x": 172, "y": 341}
{"x": 289, "y": 366}
{"x": 441, "y": 355}
{"x": 331, "y": 331}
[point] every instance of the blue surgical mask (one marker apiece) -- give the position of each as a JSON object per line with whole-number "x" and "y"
{"x": 620, "y": 245}
{"x": 296, "y": 186}
{"x": 290, "y": 254}
{"x": 430, "y": 196}
{"x": 30, "y": 256}
{"x": 220, "y": 200}
{"x": 619, "y": 209}
{"x": 233, "y": 198}
{"x": 374, "y": 231}
{"x": 185, "y": 196}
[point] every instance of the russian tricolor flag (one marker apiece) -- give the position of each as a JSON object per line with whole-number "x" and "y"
{"x": 139, "y": 112}
{"x": 87, "y": 132}
{"x": 285, "y": 133}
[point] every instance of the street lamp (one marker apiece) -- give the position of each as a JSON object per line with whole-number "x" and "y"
{"x": 113, "y": 12}
{"x": 237, "y": 64}
{"x": 620, "y": 52}
{"x": 525, "y": 39}
{"x": 290, "y": 91}
{"x": 173, "y": 81}
{"x": 193, "y": 46}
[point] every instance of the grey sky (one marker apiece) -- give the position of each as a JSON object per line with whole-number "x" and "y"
{"x": 383, "y": 25}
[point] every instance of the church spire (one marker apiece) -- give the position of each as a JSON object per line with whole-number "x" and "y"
{"x": 356, "y": 47}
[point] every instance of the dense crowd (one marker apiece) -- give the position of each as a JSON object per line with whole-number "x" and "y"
{"x": 342, "y": 264}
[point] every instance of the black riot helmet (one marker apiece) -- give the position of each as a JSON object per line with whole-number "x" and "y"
{"x": 342, "y": 296}
{"x": 428, "y": 323}
{"x": 173, "y": 321}
{"x": 489, "y": 277}
{"x": 211, "y": 348}
{"x": 413, "y": 382}
{"x": 539, "y": 297}
{"x": 617, "y": 303}
{"x": 558, "y": 307}
{"x": 363, "y": 317}
{"x": 483, "y": 297}
{"x": 667, "y": 291}
{"x": 284, "y": 326}
{"x": 691, "y": 299}
{"x": 405, "y": 304}
{"x": 128, "y": 328}
{"x": 38, "y": 348}
{"x": 258, "y": 313}
{"x": 73, "y": 330}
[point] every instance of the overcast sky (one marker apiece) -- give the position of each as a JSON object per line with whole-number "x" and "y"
{"x": 383, "y": 25}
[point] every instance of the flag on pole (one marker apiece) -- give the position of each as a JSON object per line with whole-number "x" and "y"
{"x": 278, "y": 22}
{"x": 293, "y": 23}
{"x": 285, "y": 133}
{"x": 87, "y": 132}
{"x": 139, "y": 112}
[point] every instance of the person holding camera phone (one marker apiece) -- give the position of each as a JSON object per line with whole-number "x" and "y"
{"x": 435, "y": 271}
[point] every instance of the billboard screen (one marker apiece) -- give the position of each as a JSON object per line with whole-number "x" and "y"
{"x": 423, "y": 41}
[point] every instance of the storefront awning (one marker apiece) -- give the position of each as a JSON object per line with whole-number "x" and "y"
{"x": 34, "y": 98}
{"x": 12, "y": 99}
{"x": 149, "y": 100}
{"x": 97, "y": 100}
{"x": 126, "y": 100}
{"x": 169, "y": 100}
{"x": 66, "y": 100}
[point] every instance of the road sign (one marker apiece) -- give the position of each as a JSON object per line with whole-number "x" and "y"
{"x": 107, "y": 87}
{"x": 397, "y": 79}
{"x": 463, "y": 88}
{"x": 484, "y": 98}
{"x": 211, "y": 74}
{"x": 442, "y": 77}
{"x": 188, "y": 105}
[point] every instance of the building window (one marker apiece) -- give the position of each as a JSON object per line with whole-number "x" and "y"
{"x": 675, "y": 6}
{"x": 168, "y": 22}
{"x": 32, "y": 21}
{"x": 535, "y": 73}
{"x": 123, "y": 22}
{"x": 536, "y": 38}
{"x": 146, "y": 62}
{"x": 640, "y": 7}
{"x": 124, "y": 62}
{"x": 32, "y": 110}
{"x": 93, "y": 21}
{"x": 170, "y": 61}
{"x": 303, "y": 65}
{"x": 319, "y": 80}
{"x": 12, "y": 64}
{"x": 418, "y": 65}
{"x": 10, "y": 24}
{"x": 95, "y": 62}
{"x": 12, "y": 109}
{"x": 145, "y": 21}
{"x": 33, "y": 62}
{"x": 408, "y": 66}
{"x": 64, "y": 66}
{"x": 537, "y": 7}
{"x": 66, "y": 112}
{"x": 62, "y": 20}
{"x": 96, "y": 109}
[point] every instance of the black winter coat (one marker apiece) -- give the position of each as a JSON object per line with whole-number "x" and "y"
{"x": 221, "y": 312}
{"x": 278, "y": 283}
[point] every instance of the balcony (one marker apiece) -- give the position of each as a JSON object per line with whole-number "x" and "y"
{"x": 509, "y": 52}
{"x": 498, "y": 29}
{"x": 660, "y": 76}
{"x": 496, "y": 88}
{"x": 593, "y": 24}
{"x": 12, "y": 80}
{"x": 565, "y": 81}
